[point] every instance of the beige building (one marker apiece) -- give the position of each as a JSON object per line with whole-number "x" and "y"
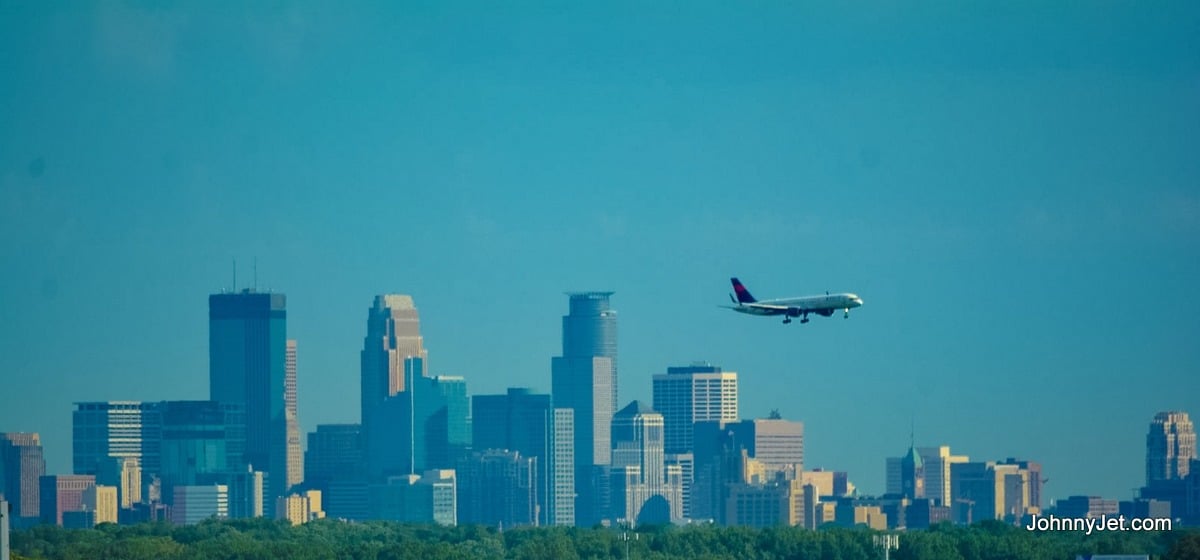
{"x": 299, "y": 508}
{"x": 102, "y": 501}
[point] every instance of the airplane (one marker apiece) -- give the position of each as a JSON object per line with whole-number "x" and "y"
{"x": 824, "y": 306}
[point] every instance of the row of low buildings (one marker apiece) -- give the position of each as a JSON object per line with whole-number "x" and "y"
{"x": 426, "y": 451}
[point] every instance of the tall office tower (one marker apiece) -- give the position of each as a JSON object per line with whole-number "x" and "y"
{"x": 124, "y": 474}
{"x": 1170, "y": 446}
{"x": 62, "y": 493}
{"x": 937, "y": 472}
{"x": 644, "y": 489}
{"x": 198, "y": 438}
{"x": 335, "y": 453}
{"x": 498, "y": 488}
{"x": 584, "y": 379}
{"x": 247, "y": 360}
{"x": 393, "y": 334}
{"x": 393, "y": 337}
{"x": 690, "y": 394}
{"x": 295, "y": 455}
{"x": 101, "y": 430}
{"x": 22, "y": 465}
{"x": 421, "y": 428}
{"x": 527, "y": 423}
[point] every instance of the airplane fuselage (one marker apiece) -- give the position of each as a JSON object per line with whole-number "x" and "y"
{"x": 825, "y": 305}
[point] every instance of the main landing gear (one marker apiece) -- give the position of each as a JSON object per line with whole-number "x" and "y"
{"x": 788, "y": 318}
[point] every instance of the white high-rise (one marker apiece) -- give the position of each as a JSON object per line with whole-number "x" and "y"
{"x": 690, "y": 394}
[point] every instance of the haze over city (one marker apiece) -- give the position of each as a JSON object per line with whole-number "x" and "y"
{"x": 1012, "y": 190}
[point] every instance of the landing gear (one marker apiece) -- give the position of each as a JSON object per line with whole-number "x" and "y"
{"x": 847, "y": 315}
{"x": 787, "y": 320}
{"x": 804, "y": 320}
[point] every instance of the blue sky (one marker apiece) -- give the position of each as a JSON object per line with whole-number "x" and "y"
{"x": 1014, "y": 189}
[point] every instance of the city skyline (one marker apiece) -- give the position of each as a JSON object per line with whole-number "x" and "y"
{"x": 996, "y": 184}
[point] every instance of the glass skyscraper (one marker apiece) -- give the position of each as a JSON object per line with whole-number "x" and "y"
{"x": 584, "y": 379}
{"x": 527, "y": 423}
{"x": 247, "y": 351}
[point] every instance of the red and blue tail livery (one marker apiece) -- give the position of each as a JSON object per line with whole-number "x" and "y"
{"x": 824, "y": 306}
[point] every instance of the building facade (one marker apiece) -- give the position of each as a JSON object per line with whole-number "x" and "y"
{"x": 1170, "y": 446}
{"x": 527, "y": 423}
{"x": 689, "y": 394}
{"x": 584, "y": 379}
{"x": 22, "y": 465}
{"x": 247, "y": 352}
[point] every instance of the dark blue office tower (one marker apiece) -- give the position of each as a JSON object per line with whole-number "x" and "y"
{"x": 247, "y": 353}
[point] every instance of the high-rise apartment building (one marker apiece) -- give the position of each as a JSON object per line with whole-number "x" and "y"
{"x": 584, "y": 379}
{"x": 527, "y": 423}
{"x": 689, "y": 394}
{"x": 22, "y": 465}
{"x": 1170, "y": 446}
{"x": 247, "y": 350}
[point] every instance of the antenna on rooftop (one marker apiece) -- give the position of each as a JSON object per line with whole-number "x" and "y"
{"x": 234, "y": 288}
{"x": 256, "y": 274}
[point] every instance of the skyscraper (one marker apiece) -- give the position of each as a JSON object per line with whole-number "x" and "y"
{"x": 584, "y": 378}
{"x": 393, "y": 334}
{"x": 22, "y": 465}
{"x": 247, "y": 351}
{"x": 295, "y": 455}
{"x": 498, "y": 488}
{"x": 198, "y": 438}
{"x": 335, "y": 452}
{"x": 690, "y": 394}
{"x": 103, "y": 430}
{"x": 393, "y": 337}
{"x": 421, "y": 428}
{"x": 527, "y": 423}
{"x": 1170, "y": 446}
{"x": 644, "y": 488}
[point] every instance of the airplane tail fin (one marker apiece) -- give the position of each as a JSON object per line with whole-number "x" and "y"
{"x": 743, "y": 295}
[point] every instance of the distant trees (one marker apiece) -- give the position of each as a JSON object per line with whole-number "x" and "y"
{"x": 329, "y": 540}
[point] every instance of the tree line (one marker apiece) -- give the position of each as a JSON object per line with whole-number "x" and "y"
{"x": 254, "y": 539}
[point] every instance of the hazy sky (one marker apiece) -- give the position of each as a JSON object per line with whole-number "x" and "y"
{"x": 1012, "y": 187}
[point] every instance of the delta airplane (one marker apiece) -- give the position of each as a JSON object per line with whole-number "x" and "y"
{"x": 824, "y": 306}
